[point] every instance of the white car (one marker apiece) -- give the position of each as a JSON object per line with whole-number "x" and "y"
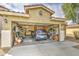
{"x": 40, "y": 35}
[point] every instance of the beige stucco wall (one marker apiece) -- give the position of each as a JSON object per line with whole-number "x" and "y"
{"x": 6, "y": 38}
{"x": 7, "y": 26}
{"x": 70, "y": 31}
{"x": 34, "y": 13}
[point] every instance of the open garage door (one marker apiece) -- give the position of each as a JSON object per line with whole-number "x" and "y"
{"x": 24, "y": 31}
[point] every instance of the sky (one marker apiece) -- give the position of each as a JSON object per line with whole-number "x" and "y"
{"x": 57, "y": 7}
{"x": 19, "y": 7}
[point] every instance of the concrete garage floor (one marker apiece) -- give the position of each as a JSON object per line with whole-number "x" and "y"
{"x": 47, "y": 49}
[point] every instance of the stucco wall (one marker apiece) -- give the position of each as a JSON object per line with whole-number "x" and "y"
{"x": 7, "y": 26}
{"x": 70, "y": 30}
{"x": 6, "y": 38}
{"x": 34, "y": 13}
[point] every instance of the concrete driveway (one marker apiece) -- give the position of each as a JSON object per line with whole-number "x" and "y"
{"x": 46, "y": 49}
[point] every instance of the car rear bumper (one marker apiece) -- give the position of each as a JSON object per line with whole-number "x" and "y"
{"x": 39, "y": 38}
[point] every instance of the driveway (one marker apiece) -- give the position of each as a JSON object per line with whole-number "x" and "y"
{"x": 46, "y": 49}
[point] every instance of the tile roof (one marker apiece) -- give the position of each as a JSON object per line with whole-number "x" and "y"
{"x": 41, "y": 5}
{"x": 4, "y": 8}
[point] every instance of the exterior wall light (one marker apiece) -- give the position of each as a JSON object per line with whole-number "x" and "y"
{"x": 5, "y": 20}
{"x": 40, "y": 13}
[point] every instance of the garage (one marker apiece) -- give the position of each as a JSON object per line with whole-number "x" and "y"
{"x": 26, "y": 33}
